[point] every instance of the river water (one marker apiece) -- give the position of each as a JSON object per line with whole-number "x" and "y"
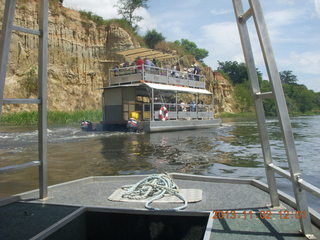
{"x": 231, "y": 150}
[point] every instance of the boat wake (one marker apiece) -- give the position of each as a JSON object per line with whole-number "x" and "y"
{"x": 15, "y": 139}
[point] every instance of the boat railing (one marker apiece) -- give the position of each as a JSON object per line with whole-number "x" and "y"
{"x": 136, "y": 74}
{"x": 178, "y": 111}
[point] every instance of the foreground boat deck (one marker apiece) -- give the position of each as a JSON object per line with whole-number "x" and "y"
{"x": 74, "y": 206}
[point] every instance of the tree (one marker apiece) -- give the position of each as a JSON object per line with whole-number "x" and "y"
{"x": 126, "y": 9}
{"x": 152, "y": 38}
{"x": 192, "y": 48}
{"x": 237, "y": 72}
{"x": 288, "y": 78}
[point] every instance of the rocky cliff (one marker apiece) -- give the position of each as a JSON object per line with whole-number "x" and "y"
{"x": 80, "y": 54}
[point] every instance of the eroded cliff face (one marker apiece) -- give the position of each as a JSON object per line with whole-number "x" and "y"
{"x": 80, "y": 54}
{"x": 222, "y": 91}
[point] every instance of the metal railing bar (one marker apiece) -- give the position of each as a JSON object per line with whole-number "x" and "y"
{"x": 5, "y": 36}
{"x": 244, "y": 17}
{"x": 26, "y": 30}
{"x": 309, "y": 187}
{"x": 118, "y": 72}
{"x": 264, "y": 95}
{"x": 303, "y": 184}
{"x": 19, "y": 166}
{"x": 20, "y": 101}
{"x": 280, "y": 171}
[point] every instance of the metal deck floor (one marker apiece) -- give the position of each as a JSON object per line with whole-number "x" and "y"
{"x": 93, "y": 193}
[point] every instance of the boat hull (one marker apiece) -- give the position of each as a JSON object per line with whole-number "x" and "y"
{"x": 177, "y": 125}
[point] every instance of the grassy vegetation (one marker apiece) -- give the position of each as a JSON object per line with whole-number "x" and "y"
{"x": 100, "y": 21}
{"x": 54, "y": 117}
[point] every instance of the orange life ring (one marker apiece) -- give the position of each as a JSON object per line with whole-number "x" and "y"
{"x": 163, "y": 113}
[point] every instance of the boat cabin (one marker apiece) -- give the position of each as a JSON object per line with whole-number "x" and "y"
{"x": 151, "y": 94}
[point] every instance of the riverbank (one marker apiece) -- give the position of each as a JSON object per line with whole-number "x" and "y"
{"x": 252, "y": 115}
{"x": 54, "y": 117}
{"x": 245, "y": 115}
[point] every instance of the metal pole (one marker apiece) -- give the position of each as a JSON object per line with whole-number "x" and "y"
{"x": 260, "y": 114}
{"x": 5, "y": 38}
{"x": 143, "y": 72}
{"x": 197, "y": 100}
{"x": 43, "y": 96}
{"x": 283, "y": 114}
{"x": 212, "y": 105}
{"x": 177, "y": 105}
{"x": 152, "y": 104}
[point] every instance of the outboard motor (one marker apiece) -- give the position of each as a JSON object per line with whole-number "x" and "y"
{"x": 86, "y": 125}
{"x": 133, "y": 125}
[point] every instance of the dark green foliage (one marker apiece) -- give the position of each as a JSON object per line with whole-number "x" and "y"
{"x": 93, "y": 17}
{"x": 244, "y": 101}
{"x": 192, "y": 48}
{"x": 305, "y": 99}
{"x": 268, "y": 104}
{"x": 126, "y": 9}
{"x": 237, "y": 72}
{"x": 288, "y": 78}
{"x": 152, "y": 38}
{"x": 299, "y": 99}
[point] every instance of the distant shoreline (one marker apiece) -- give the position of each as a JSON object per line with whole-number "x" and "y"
{"x": 54, "y": 117}
{"x": 252, "y": 115}
{"x": 63, "y": 118}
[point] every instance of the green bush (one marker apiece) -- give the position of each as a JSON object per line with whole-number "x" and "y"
{"x": 152, "y": 38}
{"x": 54, "y": 117}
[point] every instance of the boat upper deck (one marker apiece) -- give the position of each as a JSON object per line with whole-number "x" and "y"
{"x": 137, "y": 74}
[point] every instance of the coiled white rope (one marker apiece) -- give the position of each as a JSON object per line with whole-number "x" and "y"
{"x": 153, "y": 188}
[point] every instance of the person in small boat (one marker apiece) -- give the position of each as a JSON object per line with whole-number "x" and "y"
{"x": 86, "y": 125}
{"x": 133, "y": 125}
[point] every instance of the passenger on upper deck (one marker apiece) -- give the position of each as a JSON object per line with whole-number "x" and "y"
{"x": 154, "y": 61}
{"x": 139, "y": 63}
{"x": 196, "y": 72}
{"x": 190, "y": 73}
{"x": 148, "y": 64}
{"x": 176, "y": 71}
{"x": 116, "y": 70}
{"x": 126, "y": 64}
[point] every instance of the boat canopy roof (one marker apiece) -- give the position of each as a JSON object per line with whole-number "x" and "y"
{"x": 131, "y": 54}
{"x": 177, "y": 88}
{"x": 163, "y": 87}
